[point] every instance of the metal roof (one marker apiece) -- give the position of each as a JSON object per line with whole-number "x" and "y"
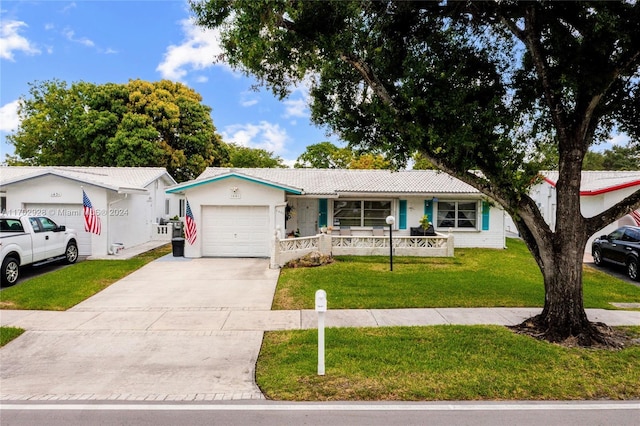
{"x": 333, "y": 182}
{"x": 599, "y": 182}
{"x": 120, "y": 179}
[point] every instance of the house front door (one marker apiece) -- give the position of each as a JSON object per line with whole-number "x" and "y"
{"x": 308, "y": 217}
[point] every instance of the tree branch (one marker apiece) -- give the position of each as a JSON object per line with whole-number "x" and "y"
{"x": 371, "y": 78}
{"x": 613, "y": 213}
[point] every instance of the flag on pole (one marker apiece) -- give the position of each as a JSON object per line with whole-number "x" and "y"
{"x": 91, "y": 220}
{"x": 636, "y": 216}
{"x": 190, "y": 231}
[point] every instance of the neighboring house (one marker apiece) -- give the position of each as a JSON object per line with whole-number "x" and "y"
{"x": 129, "y": 201}
{"x": 240, "y": 212}
{"x": 599, "y": 190}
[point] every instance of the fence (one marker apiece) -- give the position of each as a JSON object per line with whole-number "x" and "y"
{"x": 289, "y": 249}
{"x": 161, "y": 232}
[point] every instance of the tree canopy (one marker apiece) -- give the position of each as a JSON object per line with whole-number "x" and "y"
{"x": 135, "y": 124}
{"x": 325, "y": 155}
{"x": 242, "y": 156}
{"x": 476, "y": 87}
{"x": 617, "y": 158}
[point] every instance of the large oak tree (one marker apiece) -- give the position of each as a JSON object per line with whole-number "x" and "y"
{"x": 135, "y": 124}
{"x": 476, "y": 87}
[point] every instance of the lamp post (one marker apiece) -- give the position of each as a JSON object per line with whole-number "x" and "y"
{"x": 390, "y": 221}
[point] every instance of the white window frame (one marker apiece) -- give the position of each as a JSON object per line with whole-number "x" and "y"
{"x": 478, "y": 221}
{"x": 392, "y": 205}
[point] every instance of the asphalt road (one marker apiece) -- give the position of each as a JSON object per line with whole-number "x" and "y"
{"x": 326, "y": 414}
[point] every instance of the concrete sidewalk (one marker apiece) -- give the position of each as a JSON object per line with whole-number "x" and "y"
{"x": 214, "y": 320}
{"x": 188, "y": 330}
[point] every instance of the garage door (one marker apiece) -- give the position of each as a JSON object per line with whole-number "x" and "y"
{"x": 69, "y": 215}
{"x": 234, "y": 231}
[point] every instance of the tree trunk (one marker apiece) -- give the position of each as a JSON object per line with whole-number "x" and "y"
{"x": 563, "y": 316}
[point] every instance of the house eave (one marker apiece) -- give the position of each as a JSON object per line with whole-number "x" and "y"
{"x": 182, "y": 188}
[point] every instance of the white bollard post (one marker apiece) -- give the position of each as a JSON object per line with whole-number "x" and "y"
{"x": 321, "y": 308}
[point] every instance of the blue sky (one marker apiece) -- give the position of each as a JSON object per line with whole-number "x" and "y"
{"x": 117, "y": 40}
{"x": 114, "y": 41}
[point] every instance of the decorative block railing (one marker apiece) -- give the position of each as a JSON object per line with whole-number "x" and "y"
{"x": 289, "y": 249}
{"x": 161, "y": 232}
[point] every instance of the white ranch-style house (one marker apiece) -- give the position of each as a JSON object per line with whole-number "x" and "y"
{"x": 599, "y": 190}
{"x": 131, "y": 202}
{"x": 284, "y": 213}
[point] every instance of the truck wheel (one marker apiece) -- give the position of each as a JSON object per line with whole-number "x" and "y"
{"x": 10, "y": 271}
{"x": 71, "y": 253}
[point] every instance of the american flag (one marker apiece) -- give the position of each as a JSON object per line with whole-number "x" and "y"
{"x": 91, "y": 220}
{"x": 190, "y": 231}
{"x": 636, "y": 216}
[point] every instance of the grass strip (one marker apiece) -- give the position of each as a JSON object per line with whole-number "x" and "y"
{"x": 441, "y": 363}
{"x": 66, "y": 287}
{"x": 7, "y": 334}
{"x": 473, "y": 278}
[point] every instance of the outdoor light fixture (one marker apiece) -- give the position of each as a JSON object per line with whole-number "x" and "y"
{"x": 390, "y": 221}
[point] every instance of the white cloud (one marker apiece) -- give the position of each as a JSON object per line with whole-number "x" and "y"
{"x": 9, "y": 120}
{"x": 198, "y": 51}
{"x": 619, "y": 139}
{"x": 247, "y": 99}
{"x": 71, "y": 36}
{"x": 68, "y": 7}
{"x": 265, "y": 135}
{"x": 296, "y": 108}
{"x": 11, "y": 40}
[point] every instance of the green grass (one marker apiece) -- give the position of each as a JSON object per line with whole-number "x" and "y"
{"x": 7, "y": 334}
{"x": 473, "y": 278}
{"x": 66, "y": 287}
{"x": 441, "y": 363}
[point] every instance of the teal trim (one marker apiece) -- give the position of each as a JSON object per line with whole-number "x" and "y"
{"x": 403, "y": 215}
{"x": 194, "y": 184}
{"x": 322, "y": 212}
{"x": 486, "y": 208}
{"x": 428, "y": 210}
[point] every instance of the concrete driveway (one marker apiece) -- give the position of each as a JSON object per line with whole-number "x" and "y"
{"x": 158, "y": 334}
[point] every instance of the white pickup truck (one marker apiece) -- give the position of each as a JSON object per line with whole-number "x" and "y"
{"x": 33, "y": 240}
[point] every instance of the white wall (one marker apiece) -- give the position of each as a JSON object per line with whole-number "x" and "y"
{"x": 125, "y": 218}
{"x": 55, "y": 190}
{"x": 492, "y": 238}
{"x": 220, "y": 193}
{"x": 590, "y": 205}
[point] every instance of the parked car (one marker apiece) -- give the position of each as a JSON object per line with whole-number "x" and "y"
{"x": 32, "y": 240}
{"x": 621, "y": 247}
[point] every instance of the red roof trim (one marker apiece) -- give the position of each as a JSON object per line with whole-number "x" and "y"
{"x": 600, "y": 191}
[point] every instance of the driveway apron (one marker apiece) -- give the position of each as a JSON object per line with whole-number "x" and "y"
{"x": 157, "y": 334}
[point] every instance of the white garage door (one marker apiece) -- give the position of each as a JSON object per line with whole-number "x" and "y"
{"x": 69, "y": 215}
{"x": 235, "y": 231}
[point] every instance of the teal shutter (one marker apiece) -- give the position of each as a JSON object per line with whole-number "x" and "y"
{"x": 485, "y": 215}
{"x": 322, "y": 212}
{"x": 403, "y": 214}
{"x": 428, "y": 210}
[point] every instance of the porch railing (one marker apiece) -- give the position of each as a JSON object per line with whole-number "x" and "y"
{"x": 161, "y": 232}
{"x": 285, "y": 250}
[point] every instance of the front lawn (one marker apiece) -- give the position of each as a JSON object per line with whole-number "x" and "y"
{"x": 473, "y": 278}
{"x": 61, "y": 289}
{"x": 441, "y": 363}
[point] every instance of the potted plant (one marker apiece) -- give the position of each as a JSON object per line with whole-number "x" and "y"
{"x": 425, "y": 228}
